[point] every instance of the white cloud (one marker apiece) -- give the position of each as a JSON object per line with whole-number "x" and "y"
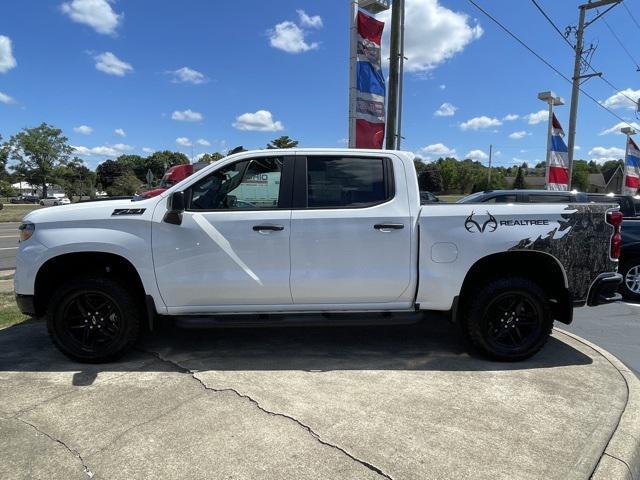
{"x": 289, "y": 37}
{"x": 442, "y": 86}
{"x": 510, "y": 117}
{"x": 616, "y": 128}
{"x": 120, "y": 132}
{"x": 148, "y": 150}
{"x": 83, "y": 129}
{"x": 186, "y": 116}
{"x": 309, "y": 21}
{"x": 187, "y": 75}
{"x": 103, "y": 150}
{"x": 623, "y": 99}
{"x": 203, "y": 142}
{"x": 518, "y": 135}
{"x": 446, "y": 110}
{"x": 183, "y": 142}
{"x": 478, "y": 123}
{"x": 6, "y": 99}
{"x": 433, "y": 34}
{"x": 603, "y": 154}
{"x": 260, "y": 121}
{"x": 437, "y": 149}
{"x": 537, "y": 117}
{"x": 7, "y": 60}
{"x": 97, "y": 14}
{"x": 108, "y": 63}
{"x": 477, "y": 155}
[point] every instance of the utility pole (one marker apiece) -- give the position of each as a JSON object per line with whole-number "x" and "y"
{"x": 396, "y": 62}
{"x": 489, "y": 174}
{"x": 575, "y": 90}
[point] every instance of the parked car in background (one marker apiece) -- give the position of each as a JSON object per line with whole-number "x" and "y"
{"x": 525, "y": 196}
{"x": 428, "y": 197}
{"x": 626, "y": 202}
{"x": 55, "y": 199}
{"x": 173, "y": 175}
{"x": 24, "y": 199}
{"x": 332, "y": 235}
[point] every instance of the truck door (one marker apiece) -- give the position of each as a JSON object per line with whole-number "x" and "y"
{"x": 232, "y": 247}
{"x": 350, "y": 231}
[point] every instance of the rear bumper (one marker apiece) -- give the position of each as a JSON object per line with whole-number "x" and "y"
{"x": 605, "y": 289}
{"x": 26, "y": 304}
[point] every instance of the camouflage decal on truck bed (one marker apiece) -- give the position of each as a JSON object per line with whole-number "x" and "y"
{"x": 577, "y": 244}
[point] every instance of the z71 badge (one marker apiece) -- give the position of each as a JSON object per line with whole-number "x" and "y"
{"x": 128, "y": 211}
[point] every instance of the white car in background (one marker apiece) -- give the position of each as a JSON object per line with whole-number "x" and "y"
{"x": 55, "y": 199}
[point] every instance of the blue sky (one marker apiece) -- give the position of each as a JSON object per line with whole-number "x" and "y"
{"x": 168, "y": 74}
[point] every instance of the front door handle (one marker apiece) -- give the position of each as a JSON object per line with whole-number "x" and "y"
{"x": 386, "y": 227}
{"x": 270, "y": 228}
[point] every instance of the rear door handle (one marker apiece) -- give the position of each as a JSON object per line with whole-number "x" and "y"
{"x": 270, "y": 228}
{"x": 385, "y": 227}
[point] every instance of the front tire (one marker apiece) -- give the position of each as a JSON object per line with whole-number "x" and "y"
{"x": 93, "y": 320}
{"x": 508, "y": 319}
{"x": 630, "y": 270}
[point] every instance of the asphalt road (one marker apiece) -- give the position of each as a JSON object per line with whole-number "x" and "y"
{"x": 614, "y": 327}
{"x": 8, "y": 245}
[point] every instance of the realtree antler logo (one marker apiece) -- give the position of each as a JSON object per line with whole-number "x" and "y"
{"x": 472, "y": 226}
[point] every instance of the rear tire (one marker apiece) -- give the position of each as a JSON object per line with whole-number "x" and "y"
{"x": 508, "y": 319}
{"x": 93, "y": 319}
{"x": 630, "y": 270}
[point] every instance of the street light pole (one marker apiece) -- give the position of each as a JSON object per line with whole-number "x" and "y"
{"x": 552, "y": 100}
{"x": 396, "y": 61}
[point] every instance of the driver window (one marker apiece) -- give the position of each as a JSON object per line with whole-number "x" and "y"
{"x": 248, "y": 184}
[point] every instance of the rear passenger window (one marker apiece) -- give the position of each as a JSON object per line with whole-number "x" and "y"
{"x": 348, "y": 182}
{"x": 502, "y": 199}
{"x": 549, "y": 199}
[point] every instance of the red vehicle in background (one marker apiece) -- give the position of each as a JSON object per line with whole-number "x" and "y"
{"x": 175, "y": 174}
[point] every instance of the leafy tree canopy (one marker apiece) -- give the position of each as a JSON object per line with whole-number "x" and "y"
{"x": 282, "y": 142}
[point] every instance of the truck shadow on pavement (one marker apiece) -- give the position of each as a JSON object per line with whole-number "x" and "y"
{"x": 426, "y": 346}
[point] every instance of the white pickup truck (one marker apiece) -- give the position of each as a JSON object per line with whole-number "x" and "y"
{"x": 278, "y": 237}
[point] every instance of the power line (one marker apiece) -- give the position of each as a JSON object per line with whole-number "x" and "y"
{"x": 586, "y": 62}
{"x": 621, "y": 44}
{"x": 539, "y": 57}
{"x": 552, "y": 23}
{"x": 631, "y": 15}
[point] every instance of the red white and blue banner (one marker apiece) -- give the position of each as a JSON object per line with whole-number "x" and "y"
{"x": 370, "y": 87}
{"x": 557, "y": 158}
{"x": 631, "y": 169}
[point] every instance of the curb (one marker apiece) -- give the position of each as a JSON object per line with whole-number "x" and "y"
{"x": 621, "y": 457}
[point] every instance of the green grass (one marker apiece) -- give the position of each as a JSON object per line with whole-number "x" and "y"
{"x": 14, "y": 213}
{"x": 9, "y": 313}
{"x": 6, "y": 277}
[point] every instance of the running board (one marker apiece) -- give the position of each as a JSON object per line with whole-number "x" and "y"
{"x": 301, "y": 319}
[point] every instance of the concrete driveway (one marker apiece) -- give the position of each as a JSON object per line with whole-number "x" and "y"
{"x": 343, "y": 403}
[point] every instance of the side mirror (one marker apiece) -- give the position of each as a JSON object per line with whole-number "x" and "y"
{"x": 175, "y": 207}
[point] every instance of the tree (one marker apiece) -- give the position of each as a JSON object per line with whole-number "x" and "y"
{"x": 76, "y": 179}
{"x": 609, "y": 167}
{"x": 137, "y": 164}
{"x": 449, "y": 172}
{"x": 580, "y": 175}
{"x": 282, "y": 142}
{"x": 159, "y": 162}
{"x": 519, "y": 182}
{"x": 125, "y": 185}
{"x": 211, "y": 157}
{"x": 108, "y": 172}
{"x": 39, "y": 151}
{"x": 430, "y": 179}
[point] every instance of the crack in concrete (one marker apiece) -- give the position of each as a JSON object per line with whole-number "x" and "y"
{"x": 73, "y": 452}
{"x": 621, "y": 461}
{"x": 315, "y": 435}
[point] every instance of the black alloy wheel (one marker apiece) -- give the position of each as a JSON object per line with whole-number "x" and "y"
{"x": 508, "y": 319}
{"x": 93, "y": 319}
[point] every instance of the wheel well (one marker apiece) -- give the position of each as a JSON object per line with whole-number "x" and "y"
{"x": 539, "y": 267}
{"x": 60, "y": 269}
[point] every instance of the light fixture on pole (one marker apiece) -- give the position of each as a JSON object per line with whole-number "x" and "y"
{"x": 552, "y": 100}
